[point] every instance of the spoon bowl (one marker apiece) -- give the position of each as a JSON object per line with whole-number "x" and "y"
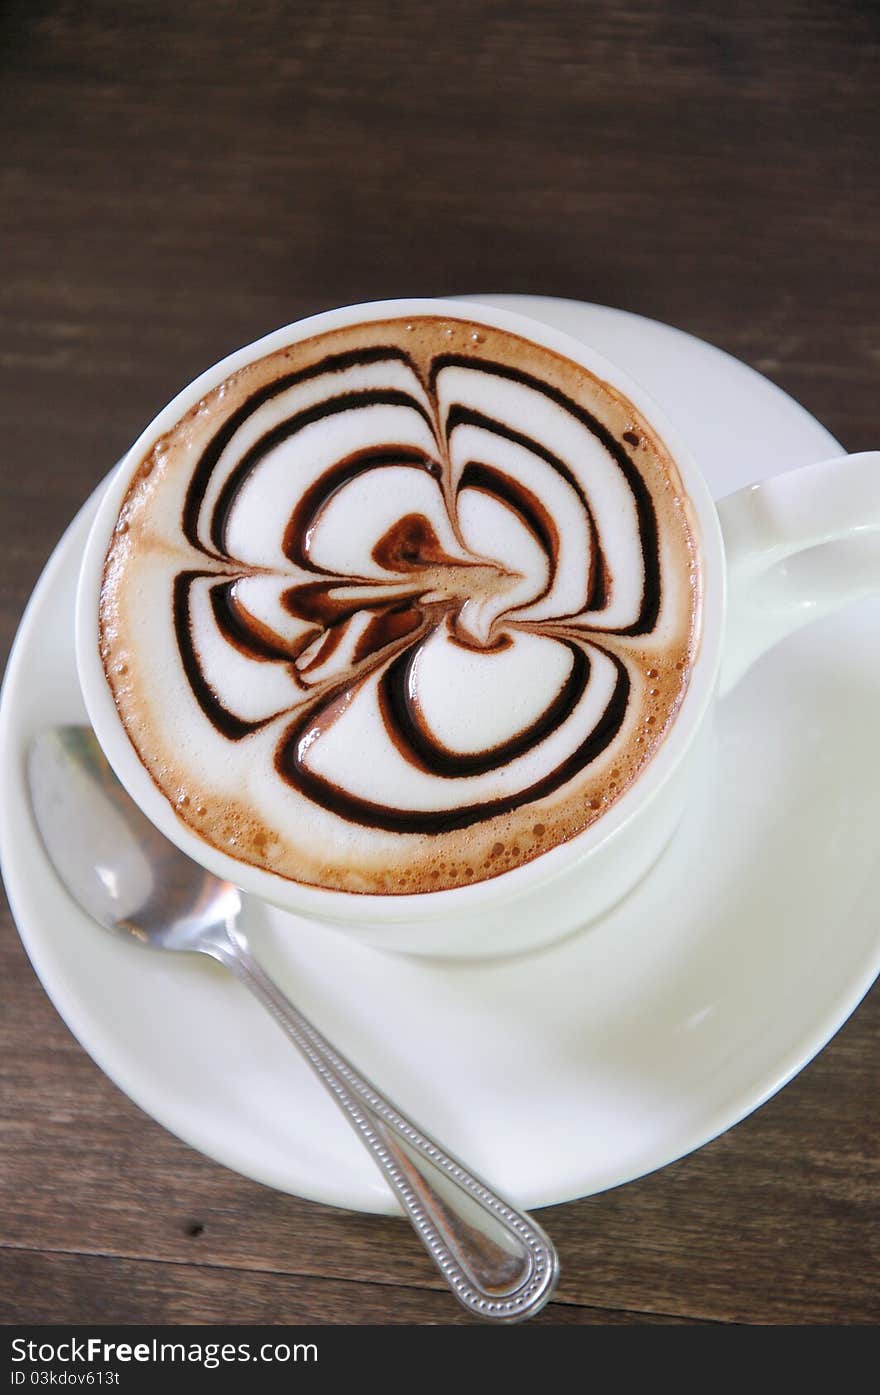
{"x": 113, "y": 861}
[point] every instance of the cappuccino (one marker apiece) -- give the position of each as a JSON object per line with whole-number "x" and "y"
{"x": 402, "y": 606}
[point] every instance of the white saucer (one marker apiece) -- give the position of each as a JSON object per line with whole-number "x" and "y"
{"x": 566, "y": 1072}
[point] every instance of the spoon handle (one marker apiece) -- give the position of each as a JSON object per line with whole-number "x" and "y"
{"x": 497, "y": 1261}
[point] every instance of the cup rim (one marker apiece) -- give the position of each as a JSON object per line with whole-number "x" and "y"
{"x": 348, "y": 907}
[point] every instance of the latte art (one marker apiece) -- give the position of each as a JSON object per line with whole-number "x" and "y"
{"x": 401, "y": 606}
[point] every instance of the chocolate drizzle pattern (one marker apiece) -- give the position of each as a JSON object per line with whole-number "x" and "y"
{"x": 424, "y": 578}
{"x": 389, "y": 644}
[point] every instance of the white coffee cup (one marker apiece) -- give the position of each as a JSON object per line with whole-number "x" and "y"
{"x": 773, "y": 557}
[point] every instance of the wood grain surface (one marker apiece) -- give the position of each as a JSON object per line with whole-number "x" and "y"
{"x": 179, "y": 178}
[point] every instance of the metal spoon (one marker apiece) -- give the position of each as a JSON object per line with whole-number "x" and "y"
{"x": 132, "y": 880}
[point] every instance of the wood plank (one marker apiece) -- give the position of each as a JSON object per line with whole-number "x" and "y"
{"x": 35, "y": 1288}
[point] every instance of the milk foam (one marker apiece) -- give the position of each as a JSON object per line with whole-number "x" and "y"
{"x": 401, "y": 606}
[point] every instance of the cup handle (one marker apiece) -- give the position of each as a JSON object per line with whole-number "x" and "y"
{"x": 799, "y": 546}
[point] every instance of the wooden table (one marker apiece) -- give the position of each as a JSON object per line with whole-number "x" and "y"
{"x": 179, "y": 178}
